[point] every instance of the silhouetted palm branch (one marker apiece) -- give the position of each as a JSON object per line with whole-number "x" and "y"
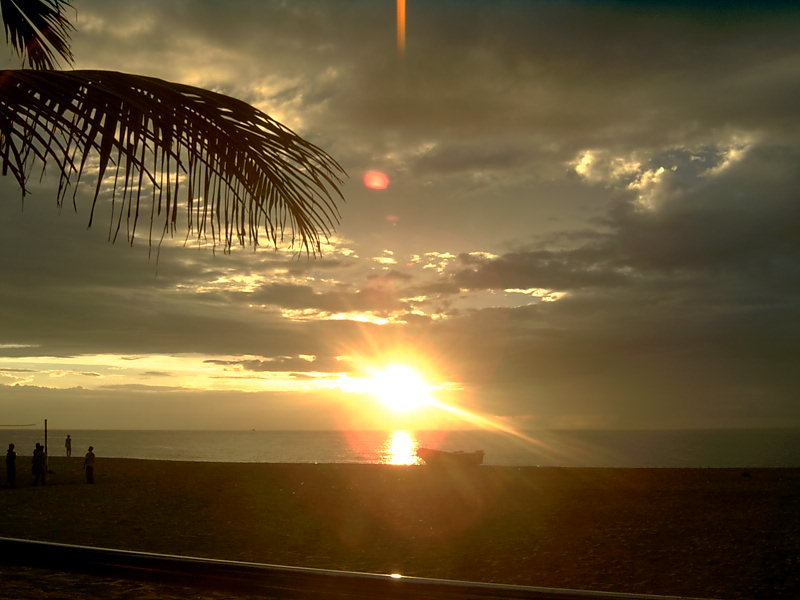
{"x": 37, "y": 30}
{"x": 237, "y": 169}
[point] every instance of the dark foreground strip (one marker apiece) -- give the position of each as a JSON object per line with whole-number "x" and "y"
{"x": 274, "y": 581}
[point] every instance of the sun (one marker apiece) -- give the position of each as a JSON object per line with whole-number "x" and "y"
{"x": 400, "y": 388}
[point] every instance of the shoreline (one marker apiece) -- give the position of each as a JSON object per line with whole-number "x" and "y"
{"x": 702, "y": 532}
{"x": 591, "y": 448}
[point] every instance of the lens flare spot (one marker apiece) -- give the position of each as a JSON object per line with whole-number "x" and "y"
{"x": 376, "y": 180}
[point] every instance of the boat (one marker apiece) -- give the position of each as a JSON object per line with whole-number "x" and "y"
{"x": 443, "y": 458}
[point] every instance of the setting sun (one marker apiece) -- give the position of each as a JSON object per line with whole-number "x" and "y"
{"x": 400, "y": 388}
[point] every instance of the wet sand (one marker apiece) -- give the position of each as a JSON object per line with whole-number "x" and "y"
{"x": 716, "y": 533}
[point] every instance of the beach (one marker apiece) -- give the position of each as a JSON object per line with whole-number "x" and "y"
{"x": 714, "y": 533}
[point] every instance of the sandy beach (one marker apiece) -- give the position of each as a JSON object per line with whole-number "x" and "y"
{"x": 716, "y": 533}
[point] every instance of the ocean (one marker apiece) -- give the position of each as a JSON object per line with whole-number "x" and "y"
{"x": 734, "y": 448}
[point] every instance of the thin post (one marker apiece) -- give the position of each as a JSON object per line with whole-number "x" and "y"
{"x": 46, "y": 456}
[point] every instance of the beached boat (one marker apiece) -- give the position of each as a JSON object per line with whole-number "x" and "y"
{"x": 435, "y": 457}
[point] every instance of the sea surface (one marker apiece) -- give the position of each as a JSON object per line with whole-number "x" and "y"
{"x": 735, "y": 448}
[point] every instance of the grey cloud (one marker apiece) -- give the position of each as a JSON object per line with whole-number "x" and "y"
{"x": 372, "y": 297}
{"x": 618, "y": 361}
{"x": 389, "y": 276}
{"x": 681, "y": 313}
{"x": 737, "y": 221}
{"x": 552, "y": 78}
{"x": 736, "y": 224}
{"x": 560, "y": 271}
{"x": 69, "y": 291}
{"x": 457, "y": 158}
{"x": 283, "y": 363}
{"x": 140, "y": 387}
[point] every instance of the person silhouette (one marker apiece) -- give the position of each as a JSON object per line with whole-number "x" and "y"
{"x": 39, "y": 464}
{"x": 11, "y": 466}
{"x": 88, "y": 465}
{"x": 68, "y": 445}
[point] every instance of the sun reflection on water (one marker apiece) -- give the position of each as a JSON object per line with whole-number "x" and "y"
{"x": 400, "y": 448}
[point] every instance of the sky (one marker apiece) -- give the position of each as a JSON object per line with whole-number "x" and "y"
{"x": 592, "y": 221}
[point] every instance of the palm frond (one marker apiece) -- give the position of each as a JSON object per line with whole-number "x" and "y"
{"x": 154, "y": 142}
{"x": 38, "y": 30}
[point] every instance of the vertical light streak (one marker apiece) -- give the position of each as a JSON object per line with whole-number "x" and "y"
{"x": 401, "y": 27}
{"x": 400, "y": 449}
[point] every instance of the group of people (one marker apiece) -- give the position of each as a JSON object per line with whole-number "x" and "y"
{"x": 39, "y": 463}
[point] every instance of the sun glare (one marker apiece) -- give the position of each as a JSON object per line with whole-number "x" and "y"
{"x": 400, "y": 448}
{"x": 400, "y": 388}
{"x": 408, "y": 401}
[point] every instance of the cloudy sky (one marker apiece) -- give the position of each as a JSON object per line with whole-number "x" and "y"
{"x": 592, "y": 221}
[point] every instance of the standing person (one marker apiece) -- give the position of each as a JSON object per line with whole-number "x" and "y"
{"x": 11, "y": 466}
{"x": 88, "y": 465}
{"x": 68, "y": 445}
{"x": 39, "y": 464}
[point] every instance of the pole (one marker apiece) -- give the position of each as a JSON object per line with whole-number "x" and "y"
{"x": 46, "y": 460}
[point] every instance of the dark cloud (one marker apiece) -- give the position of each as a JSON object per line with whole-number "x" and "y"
{"x": 377, "y": 295}
{"x": 561, "y": 271}
{"x": 689, "y": 310}
{"x": 284, "y": 363}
